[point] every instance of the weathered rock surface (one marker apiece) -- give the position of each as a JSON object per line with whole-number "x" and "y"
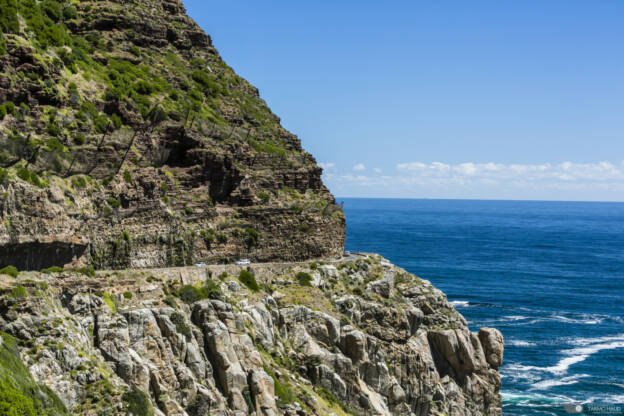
{"x": 285, "y": 350}
{"x": 129, "y": 143}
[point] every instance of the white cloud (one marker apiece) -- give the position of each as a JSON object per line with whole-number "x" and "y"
{"x": 327, "y": 166}
{"x": 567, "y": 180}
{"x": 566, "y": 171}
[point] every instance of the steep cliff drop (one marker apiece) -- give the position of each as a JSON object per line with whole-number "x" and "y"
{"x": 128, "y": 147}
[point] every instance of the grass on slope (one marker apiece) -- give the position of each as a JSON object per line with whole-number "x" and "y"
{"x": 19, "y": 394}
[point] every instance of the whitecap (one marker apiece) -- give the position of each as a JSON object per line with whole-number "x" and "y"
{"x": 587, "y": 347}
{"x": 564, "y": 381}
{"x": 519, "y": 343}
{"x": 460, "y": 303}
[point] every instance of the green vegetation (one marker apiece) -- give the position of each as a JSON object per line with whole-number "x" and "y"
{"x": 283, "y": 391}
{"x": 113, "y": 202}
{"x": 251, "y": 237}
{"x": 31, "y": 177}
{"x": 304, "y": 279}
{"x": 19, "y": 394}
{"x": 248, "y": 279}
{"x": 127, "y": 176}
{"x": 53, "y": 269}
{"x": 127, "y": 295}
{"x": 19, "y": 292}
{"x": 87, "y": 271}
{"x": 208, "y": 290}
{"x": 9, "y": 271}
{"x": 181, "y": 326}
{"x": 108, "y": 300}
{"x": 137, "y": 403}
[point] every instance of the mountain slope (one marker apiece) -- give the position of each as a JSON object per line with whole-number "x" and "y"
{"x": 126, "y": 141}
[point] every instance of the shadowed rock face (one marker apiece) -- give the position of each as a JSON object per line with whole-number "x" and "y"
{"x": 37, "y": 256}
{"x": 332, "y": 347}
{"x": 130, "y": 134}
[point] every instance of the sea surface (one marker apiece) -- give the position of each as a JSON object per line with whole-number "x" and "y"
{"x": 549, "y": 275}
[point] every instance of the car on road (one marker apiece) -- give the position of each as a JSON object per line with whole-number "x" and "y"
{"x": 200, "y": 264}
{"x": 243, "y": 262}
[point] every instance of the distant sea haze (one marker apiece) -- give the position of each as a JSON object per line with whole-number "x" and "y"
{"x": 549, "y": 275}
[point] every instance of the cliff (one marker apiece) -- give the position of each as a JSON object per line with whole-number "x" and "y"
{"x": 120, "y": 122}
{"x": 128, "y": 146}
{"x": 359, "y": 337}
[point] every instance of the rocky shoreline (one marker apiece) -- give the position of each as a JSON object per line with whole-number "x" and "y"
{"x": 359, "y": 337}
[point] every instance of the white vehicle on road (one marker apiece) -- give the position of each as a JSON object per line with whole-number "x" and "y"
{"x": 200, "y": 264}
{"x": 243, "y": 262}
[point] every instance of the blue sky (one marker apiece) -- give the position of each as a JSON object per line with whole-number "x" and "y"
{"x": 496, "y": 99}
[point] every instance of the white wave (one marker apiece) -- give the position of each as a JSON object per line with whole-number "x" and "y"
{"x": 587, "y": 347}
{"x": 585, "y": 319}
{"x": 519, "y": 343}
{"x": 460, "y": 303}
{"x": 565, "y": 381}
{"x": 599, "y": 340}
{"x": 535, "y": 399}
{"x": 609, "y": 399}
{"x": 514, "y": 318}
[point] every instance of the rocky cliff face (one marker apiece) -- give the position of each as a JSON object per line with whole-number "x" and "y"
{"x": 126, "y": 141}
{"x": 359, "y": 337}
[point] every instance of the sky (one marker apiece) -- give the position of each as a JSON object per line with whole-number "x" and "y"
{"x": 484, "y": 99}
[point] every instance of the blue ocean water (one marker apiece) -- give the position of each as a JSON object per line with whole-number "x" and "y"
{"x": 549, "y": 275}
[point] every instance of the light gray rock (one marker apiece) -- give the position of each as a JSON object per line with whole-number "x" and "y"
{"x": 493, "y": 345}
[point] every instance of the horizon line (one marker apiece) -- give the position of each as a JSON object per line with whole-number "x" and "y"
{"x": 478, "y": 199}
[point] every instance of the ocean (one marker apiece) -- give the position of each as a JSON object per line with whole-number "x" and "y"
{"x": 548, "y": 275}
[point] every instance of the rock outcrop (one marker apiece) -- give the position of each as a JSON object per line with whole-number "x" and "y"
{"x": 195, "y": 341}
{"x": 126, "y": 141}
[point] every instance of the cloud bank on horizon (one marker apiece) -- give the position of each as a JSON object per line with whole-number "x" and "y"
{"x": 599, "y": 181}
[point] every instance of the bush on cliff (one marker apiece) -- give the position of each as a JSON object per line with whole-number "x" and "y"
{"x": 248, "y": 279}
{"x": 9, "y": 271}
{"x": 208, "y": 290}
{"x": 137, "y": 403}
{"x": 304, "y": 279}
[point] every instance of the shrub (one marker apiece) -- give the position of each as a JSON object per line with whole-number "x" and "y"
{"x": 208, "y": 290}
{"x": 304, "y": 279}
{"x": 127, "y": 177}
{"x": 70, "y": 13}
{"x": 127, "y": 295}
{"x": 264, "y": 197}
{"x": 52, "y": 9}
{"x": 9, "y": 271}
{"x": 113, "y": 202}
{"x": 181, "y": 326}
{"x": 79, "y": 182}
{"x": 137, "y": 403}
{"x": 19, "y": 292}
{"x": 222, "y": 238}
{"x": 53, "y": 269}
{"x": 87, "y": 271}
{"x": 248, "y": 279}
{"x": 251, "y": 237}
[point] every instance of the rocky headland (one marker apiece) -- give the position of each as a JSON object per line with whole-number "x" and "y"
{"x": 129, "y": 152}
